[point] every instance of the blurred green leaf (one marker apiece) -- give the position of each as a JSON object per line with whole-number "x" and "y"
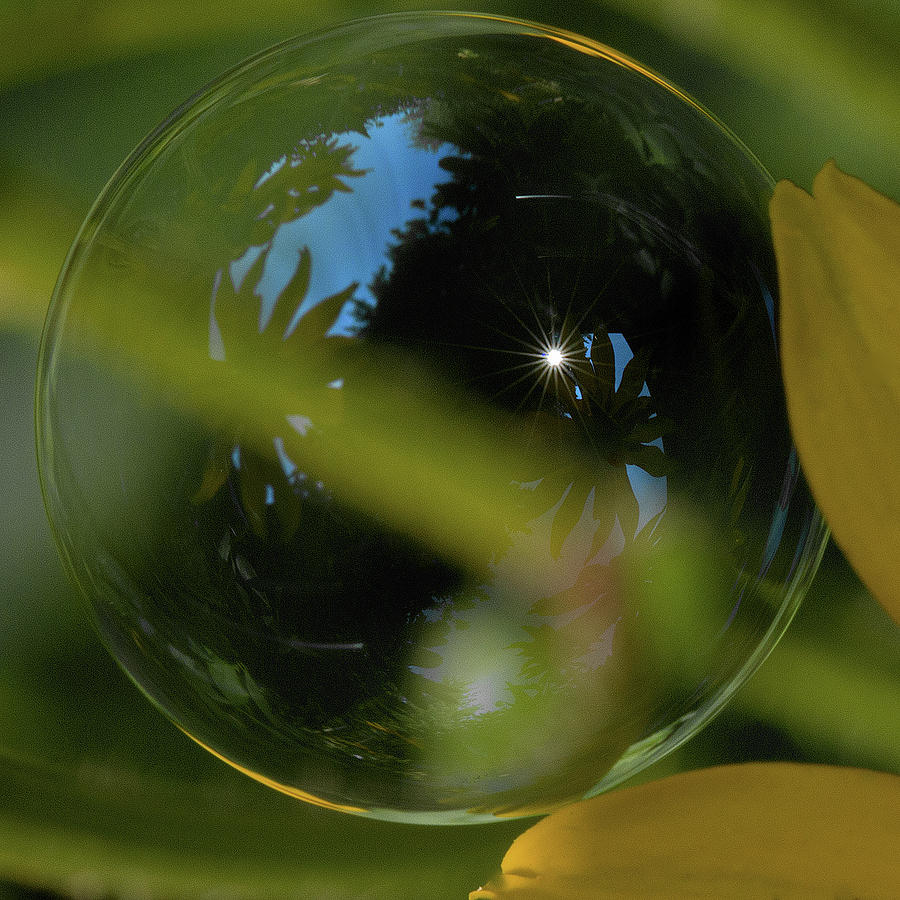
{"x": 35, "y": 232}
{"x": 46, "y": 37}
{"x": 830, "y": 62}
{"x": 105, "y": 830}
{"x": 829, "y": 702}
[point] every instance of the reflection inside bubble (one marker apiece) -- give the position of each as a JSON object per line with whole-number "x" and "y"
{"x": 476, "y": 472}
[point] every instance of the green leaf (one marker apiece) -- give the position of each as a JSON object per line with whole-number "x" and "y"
{"x": 755, "y": 830}
{"x": 839, "y": 271}
{"x": 107, "y": 831}
{"x": 237, "y": 309}
{"x": 633, "y": 377}
{"x": 315, "y": 322}
{"x": 651, "y": 459}
{"x": 568, "y": 515}
{"x": 292, "y": 296}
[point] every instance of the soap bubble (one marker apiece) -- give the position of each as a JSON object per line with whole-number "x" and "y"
{"x": 409, "y": 413}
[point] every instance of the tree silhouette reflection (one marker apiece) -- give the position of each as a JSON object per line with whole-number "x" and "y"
{"x": 520, "y": 279}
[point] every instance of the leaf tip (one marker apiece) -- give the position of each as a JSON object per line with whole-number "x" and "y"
{"x": 789, "y": 205}
{"x": 830, "y": 179}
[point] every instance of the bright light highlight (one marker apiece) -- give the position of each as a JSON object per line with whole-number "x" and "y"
{"x": 553, "y": 357}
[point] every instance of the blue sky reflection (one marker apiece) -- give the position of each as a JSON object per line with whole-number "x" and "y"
{"x": 349, "y": 236}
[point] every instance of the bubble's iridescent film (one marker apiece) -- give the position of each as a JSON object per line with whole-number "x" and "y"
{"x": 409, "y": 413}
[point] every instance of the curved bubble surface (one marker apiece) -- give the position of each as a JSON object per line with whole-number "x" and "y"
{"x": 409, "y": 413}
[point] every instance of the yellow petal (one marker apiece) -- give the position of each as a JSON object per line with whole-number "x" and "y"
{"x": 759, "y": 830}
{"x": 838, "y": 257}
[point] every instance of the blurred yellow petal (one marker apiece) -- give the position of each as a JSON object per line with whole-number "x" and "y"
{"x": 839, "y": 271}
{"x": 759, "y": 830}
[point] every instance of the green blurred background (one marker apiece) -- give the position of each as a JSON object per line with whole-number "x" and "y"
{"x": 99, "y": 795}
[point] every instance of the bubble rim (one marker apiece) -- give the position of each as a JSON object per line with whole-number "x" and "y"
{"x": 642, "y": 753}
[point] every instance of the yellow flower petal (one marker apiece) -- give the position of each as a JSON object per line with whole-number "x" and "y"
{"x": 839, "y": 271}
{"x": 759, "y": 830}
